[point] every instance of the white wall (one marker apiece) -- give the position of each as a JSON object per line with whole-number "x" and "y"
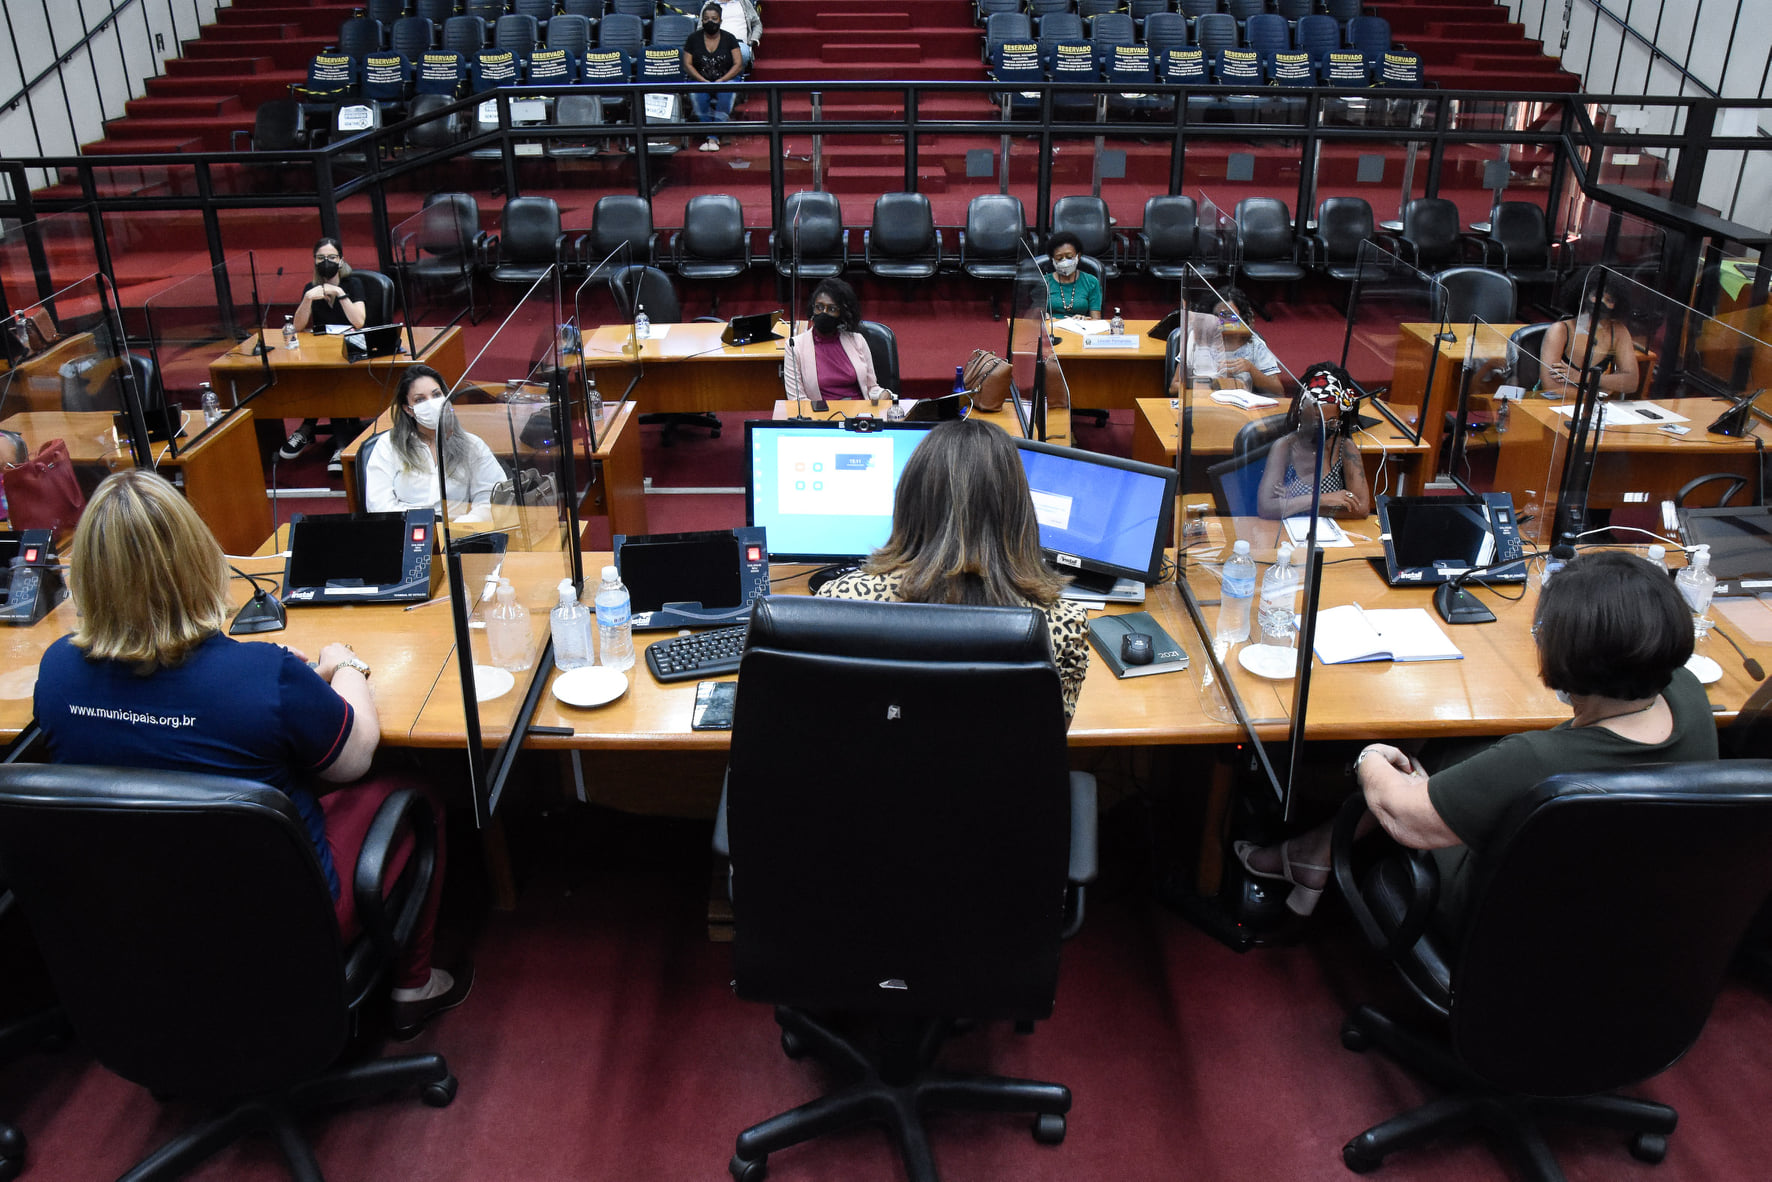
{"x": 70, "y": 105}
{"x": 1723, "y": 44}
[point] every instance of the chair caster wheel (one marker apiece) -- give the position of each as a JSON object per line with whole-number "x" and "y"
{"x": 744, "y": 1169}
{"x": 10, "y": 1168}
{"x": 1353, "y": 1038}
{"x": 792, "y": 1046}
{"x": 1356, "y": 1156}
{"x": 1649, "y": 1147}
{"x": 1049, "y": 1128}
{"x": 439, "y": 1094}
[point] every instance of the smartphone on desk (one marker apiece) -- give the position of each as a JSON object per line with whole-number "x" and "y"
{"x": 714, "y": 701}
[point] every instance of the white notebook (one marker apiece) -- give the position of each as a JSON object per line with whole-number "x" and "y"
{"x": 1349, "y": 634}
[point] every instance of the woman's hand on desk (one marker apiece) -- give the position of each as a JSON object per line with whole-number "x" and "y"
{"x": 331, "y": 657}
{"x": 1337, "y": 503}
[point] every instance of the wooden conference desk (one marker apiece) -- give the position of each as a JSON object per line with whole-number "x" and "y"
{"x": 315, "y": 380}
{"x": 1112, "y": 379}
{"x": 1155, "y": 435}
{"x": 1418, "y": 351}
{"x": 220, "y": 472}
{"x": 697, "y": 371}
{"x": 851, "y": 408}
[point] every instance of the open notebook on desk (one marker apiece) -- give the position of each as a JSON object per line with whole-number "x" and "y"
{"x": 1350, "y": 634}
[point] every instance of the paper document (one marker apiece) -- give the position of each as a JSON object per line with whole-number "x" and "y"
{"x": 1630, "y": 414}
{"x": 1328, "y": 533}
{"x": 1350, "y": 634}
{"x": 1078, "y": 324}
{"x": 1243, "y": 399}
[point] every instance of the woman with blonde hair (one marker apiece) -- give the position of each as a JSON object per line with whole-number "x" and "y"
{"x": 963, "y": 531}
{"x": 150, "y": 680}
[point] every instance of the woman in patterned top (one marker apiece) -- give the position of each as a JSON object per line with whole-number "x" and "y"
{"x": 963, "y": 531}
{"x": 1327, "y": 397}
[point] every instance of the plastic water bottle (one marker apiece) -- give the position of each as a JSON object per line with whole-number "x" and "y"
{"x": 211, "y": 404}
{"x": 507, "y": 630}
{"x": 1117, "y": 325}
{"x": 642, "y": 323}
{"x": 1696, "y": 583}
{"x": 959, "y": 379}
{"x": 615, "y": 624}
{"x": 1658, "y": 555}
{"x": 1236, "y": 595}
{"x": 571, "y": 627}
{"x": 595, "y": 398}
{"x": 291, "y": 339}
{"x": 1279, "y": 599}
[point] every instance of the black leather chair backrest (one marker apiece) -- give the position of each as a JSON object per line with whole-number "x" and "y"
{"x": 364, "y": 451}
{"x": 277, "y": 126}
{"x": 529, "y": 228}
{"x": 1521, "y": 228}
{"x": 1604, "y": 913}
{"x": 515, "y": 33}
{"x": 619, "y": 218}
{"x": 451, "y": 223}
{"x": 1477, "y": 292}
{"x": 436, "y": 11}
{"x": 818, "y": 219}
{"x": 1171, "y": 228}
{"x": 903, "y": 847}
{"x": 653, "y": 289}
{"x": 175, "y": 912}
{"x": 436, "y": 130}
{"x": 1343, "y": 223}
{"x": 883, "y": 346}
{"x": 1087, "y": 218}
{"x": 358, "y": 36}
{"x": 996, "y": 228}
{"x": 378, "y": 297}
{"x": 1525, "y": 349}
{"x": 411, "y": 36}
{"x": 1264, "y": 229}
{"x": 1432, "y": 226}
{"x": 904, "y": 225}
{"x": 466, "y": 35}
{"x": 713, "y": 227}
{"x": 572, "y": 33}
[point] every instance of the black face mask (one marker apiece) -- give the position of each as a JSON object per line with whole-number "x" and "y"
{"x": 824, "y": 323}
{"x": 326, "y": 268}
{"x": 711, "y": 28}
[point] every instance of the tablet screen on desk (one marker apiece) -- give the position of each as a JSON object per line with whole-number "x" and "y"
{"x": 342, "y": 548}
{"x": 1740, "y": 540}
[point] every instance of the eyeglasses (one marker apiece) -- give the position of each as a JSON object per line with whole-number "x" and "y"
{"x": 830, "y": 308}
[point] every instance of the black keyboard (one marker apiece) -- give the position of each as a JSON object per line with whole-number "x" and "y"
{"x": 703, "y": 654}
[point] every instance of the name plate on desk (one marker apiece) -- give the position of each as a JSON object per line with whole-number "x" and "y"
{"x": 1110, "y": 340}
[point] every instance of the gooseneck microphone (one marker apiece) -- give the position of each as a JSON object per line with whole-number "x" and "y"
{"x": 1458, "y": 606}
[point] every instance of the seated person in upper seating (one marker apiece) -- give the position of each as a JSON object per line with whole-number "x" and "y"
{"x": 710, "y": 54}
{"x": 741, "y": 19}
{"x": 831, "y": 359}
{"x": 402, "y": 470}
{"x": 1613, "y": 636}
{"x": 1327, "y": 396}
{"x": 963, "y": 531}
{"x": 1246, "y": 356}
{"x": 1615, "y": 354}
{"x": 333, "y": 300}
{"x": 151, "y": 585}
{"x": 1070, "y": 290}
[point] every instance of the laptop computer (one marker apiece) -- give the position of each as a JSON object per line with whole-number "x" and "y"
{"x": 383, "y": 340}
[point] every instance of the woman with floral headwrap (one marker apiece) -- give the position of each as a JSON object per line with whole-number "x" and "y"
{"x": 1328, "y": 401}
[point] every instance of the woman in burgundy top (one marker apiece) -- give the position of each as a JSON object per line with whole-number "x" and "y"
{"x": 831, "y": 358}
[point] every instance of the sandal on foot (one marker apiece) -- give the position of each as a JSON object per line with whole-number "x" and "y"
{"x": 1304, "y": 899}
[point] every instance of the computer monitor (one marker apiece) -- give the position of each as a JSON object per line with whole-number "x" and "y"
{"x": 824, "y": 490}
{"x": 1740, "y": 542}
{"x": 1428, "y": 540}
{"x": 1102, "y": 518}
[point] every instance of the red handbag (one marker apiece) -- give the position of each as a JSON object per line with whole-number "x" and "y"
{"x": 41, "y": 493}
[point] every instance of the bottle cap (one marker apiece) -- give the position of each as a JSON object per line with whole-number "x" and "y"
{"x": 506, "y": 592}
{"x": 1241, "y": 549}
{"x": 1657, "y": 553}
{"x": 568, "y": 593}
{"x": 611, "y": 574}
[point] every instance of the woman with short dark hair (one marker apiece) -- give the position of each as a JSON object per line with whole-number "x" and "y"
{"x": 1613, "y": 638}
{"x": 1070, "y": 290}
{"x": 831, "y": 359}
{"x": 963, "y": 531}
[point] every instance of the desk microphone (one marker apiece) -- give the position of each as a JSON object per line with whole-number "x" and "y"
{"x": 1458, "y": 606}
{"x": 1753, "y": 667}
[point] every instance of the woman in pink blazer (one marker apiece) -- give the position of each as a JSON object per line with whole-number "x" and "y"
{"x": 831, "y": 358}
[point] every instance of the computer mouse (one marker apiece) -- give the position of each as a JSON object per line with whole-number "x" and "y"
{"x": 1136, "y": 648}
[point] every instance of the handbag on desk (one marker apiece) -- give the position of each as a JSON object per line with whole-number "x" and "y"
{"x": 986, "y": 377}
{"x": 41, "y": 493}
{"x": 529, "y": 487}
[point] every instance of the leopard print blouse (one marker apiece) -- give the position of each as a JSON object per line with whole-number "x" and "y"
{"x": 1066, "y": 620}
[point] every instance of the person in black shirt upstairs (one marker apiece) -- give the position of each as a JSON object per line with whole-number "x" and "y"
{"x": 333, "y": 300}
{"x": 712, "y": 55}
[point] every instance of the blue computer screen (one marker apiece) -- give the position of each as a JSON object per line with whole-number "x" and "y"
{"x": 824, "y": 494}
{"x": 1110, "y": 513}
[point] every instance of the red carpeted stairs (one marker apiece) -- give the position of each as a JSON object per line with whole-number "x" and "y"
{"x": 1471, "y": 45}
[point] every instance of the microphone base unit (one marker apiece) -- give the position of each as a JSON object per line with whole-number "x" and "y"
{"x": 1458, "y": 606}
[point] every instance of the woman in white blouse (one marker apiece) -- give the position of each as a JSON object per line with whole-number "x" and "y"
{"x": 402, "y": 470}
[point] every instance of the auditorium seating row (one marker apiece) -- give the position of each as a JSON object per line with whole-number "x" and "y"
{"x": 1266, "y": 34}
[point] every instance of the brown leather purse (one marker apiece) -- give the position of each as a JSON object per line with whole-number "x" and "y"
{"x": 986, "y": 377}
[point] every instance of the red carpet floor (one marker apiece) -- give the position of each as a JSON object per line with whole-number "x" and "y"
{"x": 602, "y": 1042}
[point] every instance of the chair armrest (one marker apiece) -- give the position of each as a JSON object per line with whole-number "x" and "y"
{"x": 1313, "y": 243}
{"x": 580, "y": 250}
{"x": 234, "y": 138}
{"x": 403, "y": 811}
{"x": 486, "y": 248}
{"x": 722, "y": 840}
{"x": 1085, "y": 823}
{"x": 676, "y": 248}
{"x": 564, "y": 245}
{"x": 962, "y": 235}
{"x": 1424, "y": 885}
{"x": 747, "y": 247}
{"x": 867, "y": 246}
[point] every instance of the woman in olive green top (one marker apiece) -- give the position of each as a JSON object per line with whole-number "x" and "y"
{"x": 1613, "y": 638}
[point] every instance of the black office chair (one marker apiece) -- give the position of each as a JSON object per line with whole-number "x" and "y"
{"x": 278, "y": 125}
{"x": 1344, "y": 224}
{"x": 616, "y": 219}
{"x": 1088, "y": 218}
{"x": 191, "y": 938}
{"x": 438, "y": 261}
{"x": 713, "y": 243}
{"x": 883, "y": 347}
{"x": 1433, "y": 234}
{"x": 529, "y": 241}
{"x": 1267, "y": 249}
{"x": 82, "y": 394}
{"x": 903, "y": 242}
{"x": 380, "y": 305}
{"x": 1731, "y": 483}
{"x": 411, "y": 37}
{"x": 642, "y": 286}
{"x": 994, "y": 242}
{"x": 1525, "y": 348}
{"x": 1603, "y": 914}
{"x": 1476, "y": 293}
{"x": 1172, "y": 240}
{"x": 1519, "y": 241}
{"x": 29, "y": 1032}
{"x": 933, "y": 884}
{"x": 364, "y": 451}
{"x": 817, "y": 219}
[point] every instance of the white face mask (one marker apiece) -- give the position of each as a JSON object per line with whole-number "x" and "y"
{"x": 1065, "y": 266}
{"x": 428, "y": 413}
{"x": 1563, "y": 697}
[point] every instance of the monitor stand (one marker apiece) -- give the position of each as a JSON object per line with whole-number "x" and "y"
{"x": 1091, "y": 584}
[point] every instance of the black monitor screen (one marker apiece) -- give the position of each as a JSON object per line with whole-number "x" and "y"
{"x": 1429, "y": 530}
{"x": 1099, "y": 513}
{"x": 823, "y": 493}
{"x": 368, "y": 548}
{"x": 681, "y": 568}
{"x": 1740, "y": 540}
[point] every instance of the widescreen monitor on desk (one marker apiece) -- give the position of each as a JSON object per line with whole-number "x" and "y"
{"x": 824, "y": 490}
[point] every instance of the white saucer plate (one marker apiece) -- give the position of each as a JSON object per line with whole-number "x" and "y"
{"x": 1704, "y": 669}
{"x": 594, "y": 685}
{"x": 491, "y": 682}
{"x": 1272, "y": 661}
